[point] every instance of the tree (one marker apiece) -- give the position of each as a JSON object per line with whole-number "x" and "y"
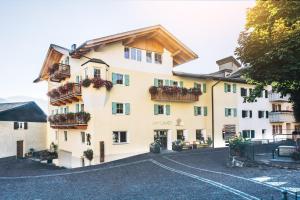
{"x": 89, "y": 154}
{"x": 270, "y": 48}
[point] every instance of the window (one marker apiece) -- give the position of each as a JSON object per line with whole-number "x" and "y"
{"x": 20, "y": 124}
{"x": 227, "y": 87}
{"x": 126, "y": 52}
{"x": 78, "y": 79}
{"x": 248, "y": 133}
{"x": 158, "y": 58}
{"x": 97, "y": 73}
{"x": 160, "y": 82}
{"x": 83, "y": 137}
{"x": 260, "y": 114}
{"x": 180, "y": 135}
{"x": 244, "y": 113}
{"x": 119, "y": 137}
{"x": 138, "y": 55}
{"x": 175, "y": 83}
{"x": 149, "y": 57}
{"x": 266, "y": 94}
{"x": 243, "y": 92}
{"x": 66, "y": 135}
{"x": 277, "y": 129}
{"x": 133, "y": 53}
{"x": 197, "y": 85}
{"x": 197, "y": 110}
{"x": 267, "y": 114}
{"x": 119, "y": 108}
{"x": 160, "y": 109}
{"x": 119, "y": 78}
{"x": 25, "y": 125}
{"x": 16, "y": 125}
{"x": 66, "y": 110}
{"x": 263, "y": 131}
{"x": 199, "y": 135}
{"x": 230, "y": 112}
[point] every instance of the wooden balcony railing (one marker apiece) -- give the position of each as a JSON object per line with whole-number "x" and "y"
{"x": 70, "y": 120}
{"x": 178, "y": 97}
{"x": 59, "y": 72}
{"x": 71, "y": 94}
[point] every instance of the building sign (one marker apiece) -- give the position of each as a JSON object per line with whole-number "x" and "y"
{"x": 229, "y": 130}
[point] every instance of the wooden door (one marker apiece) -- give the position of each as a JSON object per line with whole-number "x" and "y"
{"x": 20, "y": 149}
{"x": 101, "y": 151}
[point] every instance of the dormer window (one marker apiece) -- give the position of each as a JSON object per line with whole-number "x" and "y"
{"x": 97, "y": 73}
{"x": 158, "y": 58}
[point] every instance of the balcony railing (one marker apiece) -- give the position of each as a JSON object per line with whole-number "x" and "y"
{"x": 281, "y": 116}
{"x": 176, "y": 97}
{"x": 70, "y": 120}
{"x": 277, "y": 97}
{"x": 71, "y": 92}
{"x": 59, "y": 72}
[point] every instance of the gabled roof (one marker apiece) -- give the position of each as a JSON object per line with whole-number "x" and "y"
{"x": 22, "y": 111}
{"x": 179, "y": 51}
{"x": 53, "y": 56}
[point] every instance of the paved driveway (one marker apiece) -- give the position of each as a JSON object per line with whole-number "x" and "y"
{"x": 199, "y": 174}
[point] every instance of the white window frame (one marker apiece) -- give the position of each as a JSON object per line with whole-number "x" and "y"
{"x": 158, "y": 61}
{"x": 119, "y": 137}
{"x": 97, "y": 68}
{"x": 149, "y": 59}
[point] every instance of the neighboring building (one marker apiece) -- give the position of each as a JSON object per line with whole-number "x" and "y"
{"x": 123, "y": 120}
{"x": 22, "y": 127}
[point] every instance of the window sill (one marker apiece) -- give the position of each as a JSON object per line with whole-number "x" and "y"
{"x": 121, "y": 143}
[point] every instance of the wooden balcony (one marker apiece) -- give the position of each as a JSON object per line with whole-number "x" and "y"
{"x": 69, "y": 121}
{"x": 73, "y": 94}
{"x": 59, "y": 72}
{"x": 161, "y": 96}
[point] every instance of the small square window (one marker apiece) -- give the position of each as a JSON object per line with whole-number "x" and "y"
{"x": 149, "y": 57}
{"x": 120, "y": 108}
{"x": 158, "y": 58}
{"x": 160, "y": 109}
{"x": 119, "y": 137}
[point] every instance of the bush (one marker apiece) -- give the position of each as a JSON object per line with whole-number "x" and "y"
{"x": 177, "y": 145}
{"x": 209, "y": 141}
{"x": 155, "y": 147}
{"x": 89, "y": 154}
{"x": 238, "y": 145}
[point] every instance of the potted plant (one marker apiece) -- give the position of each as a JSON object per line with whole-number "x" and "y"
{"x": 89, "y": 154}
{"x": 153, "y": 90}
{"x": 97, "y": 83}
{"x": 108, "y": 85}
{"x": 184, "y": 91}
{"x": 86, "y": 82}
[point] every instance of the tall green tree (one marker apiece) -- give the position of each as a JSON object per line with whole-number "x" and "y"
{"x": 270, "y": 47}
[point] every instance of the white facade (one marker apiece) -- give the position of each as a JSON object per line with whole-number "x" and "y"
{"x": 33, "y": 137}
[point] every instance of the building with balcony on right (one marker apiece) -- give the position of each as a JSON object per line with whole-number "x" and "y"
{"x": 281, "y": 116}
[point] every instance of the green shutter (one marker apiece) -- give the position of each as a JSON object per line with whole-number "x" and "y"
{"x": 204, "y": 88}
{"x": 234, "y": 112}
{"x": 77, "y": 108}
{"x": 234, "y": 88}
{"x": 226, "y": 112}
{"x": 126, "y": 79}
{"x": 127, "y": 108}
{"x": 195, "y": 111}
{"x": 205, "y": 111}
{"x": 114, "y": 78}
{"x": 114, "y": 108}
{"x": 181, "y": 84}
{"x": 156, "y": 82}
{"x": 167, "y": 82}
{"x": 168, "y": 109}
{"x": 155, "y": 109}
{"x": 171, "y": 83}
{"x": 225, "y": 87}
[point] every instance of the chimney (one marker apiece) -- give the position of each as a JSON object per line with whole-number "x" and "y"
{"x": 228, "y": 63}
{"x": 73, "y": 47}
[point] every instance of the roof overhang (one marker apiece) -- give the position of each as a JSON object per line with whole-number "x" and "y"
{"x": 180, "y": 53}
{"x": 53, "y": 56}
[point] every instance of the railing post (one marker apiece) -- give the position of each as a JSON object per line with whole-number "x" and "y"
{"x": 284, "y": 195}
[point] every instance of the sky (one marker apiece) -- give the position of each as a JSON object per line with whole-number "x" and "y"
{"x": 27, "y": 28}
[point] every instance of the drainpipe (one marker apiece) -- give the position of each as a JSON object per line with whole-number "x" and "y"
{"x": 213, "y": 112}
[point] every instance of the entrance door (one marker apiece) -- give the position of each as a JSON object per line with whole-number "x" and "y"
{"x": 180, "y": 135}
{"x": 20, "y": 149}
{"x": 162, "y": 136}
{"x": 101, "y": 151}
